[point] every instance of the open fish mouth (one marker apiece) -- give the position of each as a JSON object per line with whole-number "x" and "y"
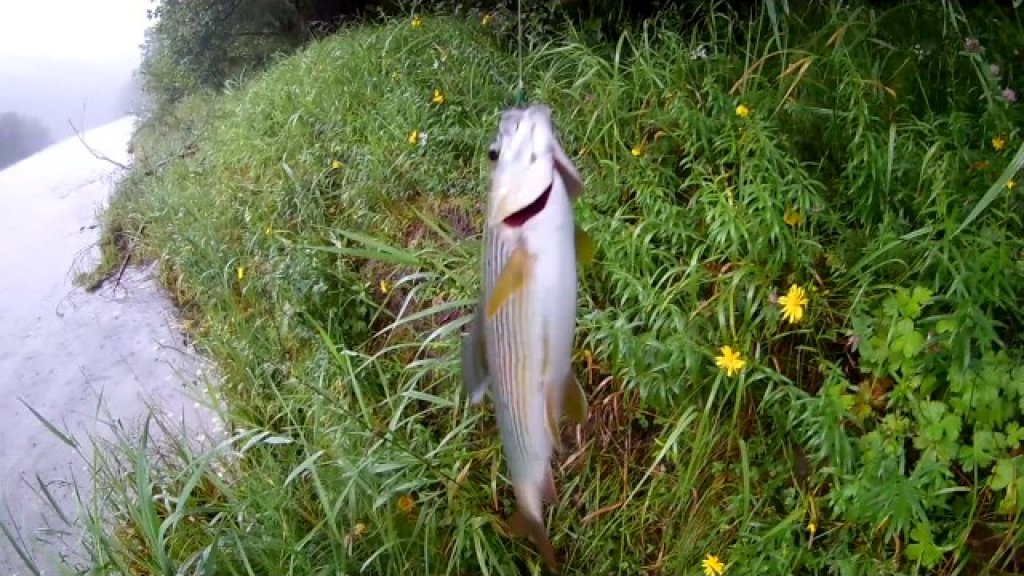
{"x": 522, "y": 216}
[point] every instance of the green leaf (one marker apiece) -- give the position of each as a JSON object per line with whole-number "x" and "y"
{"x": 982, "y": 452}
{"x": 891, "y": 305}
{"x": 923, "y": 549}
{"x": 1016, "y": 386}
{"x": 1014, "y": 435}
{"x": 932, "y": 411}
{"x": 1003, "y": 474}
{"x": 912, "y": 304}
{"x": 945, "y": 325}
{"x": 907, "y": 341}
{"x": 1010, "y": 504}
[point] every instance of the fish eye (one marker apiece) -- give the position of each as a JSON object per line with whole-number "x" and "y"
{"x": 492, "y": 153}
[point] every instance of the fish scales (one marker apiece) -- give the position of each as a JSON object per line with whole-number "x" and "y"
{"x": 514, "y": 335}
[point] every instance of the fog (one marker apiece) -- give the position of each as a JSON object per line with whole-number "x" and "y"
{"x": 69, "y": 59}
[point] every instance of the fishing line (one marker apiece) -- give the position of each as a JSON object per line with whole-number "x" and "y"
{"x": 520, "y": 91}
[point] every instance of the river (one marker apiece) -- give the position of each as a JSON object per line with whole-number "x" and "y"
{"x": 81, "y": 360}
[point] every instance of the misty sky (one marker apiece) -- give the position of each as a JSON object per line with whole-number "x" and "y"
{"x": 63, "y": 59}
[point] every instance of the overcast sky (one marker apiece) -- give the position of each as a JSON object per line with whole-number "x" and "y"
{"x": 60, "y": 57}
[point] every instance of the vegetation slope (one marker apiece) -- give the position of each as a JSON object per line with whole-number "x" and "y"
{"x": 319, "y": 226}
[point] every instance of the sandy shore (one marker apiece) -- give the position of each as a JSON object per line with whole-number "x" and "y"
{"x": 61, "y": 349}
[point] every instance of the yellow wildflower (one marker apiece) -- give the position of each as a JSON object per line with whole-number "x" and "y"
{"x": 730, "y": 361}
{"x": 998, "y": 143}
{"x": 335, "y": 164}
{"x": 793, "y": 304}
{"x": 812, "y": 528}
{"x": 385, "y": 286}
{"x": 712, "y": 566}
{"x": 486, "y": 20}
{"x": 742, "y": 111}
{"x": 1011, "y": 184}
{"x": 240, "y": 272}
{"x": 636, "y": 151}
{"x": 268, "y": 231}
{"x": 416, "y": 22}
{"x": 414, "y": 136}
{"x": 792, "y": 217}
{"x": 438, "y": 97}
{"x": 406, "y": 504}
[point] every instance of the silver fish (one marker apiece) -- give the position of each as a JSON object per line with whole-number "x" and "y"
{"x": 520, "y": 339}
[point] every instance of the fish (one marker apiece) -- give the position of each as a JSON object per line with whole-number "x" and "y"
{"x": 518, "y": 348}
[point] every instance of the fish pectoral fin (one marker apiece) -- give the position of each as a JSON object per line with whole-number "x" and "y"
{"x": 585, "y": 248}
{"x": 474, "y": 360}
{"x": 511, "y": 280}
{"x": 520, "y": 525}
{"x": 576, "y": 408}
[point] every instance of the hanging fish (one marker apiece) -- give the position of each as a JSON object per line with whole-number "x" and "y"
{"x": 520, "y": 339}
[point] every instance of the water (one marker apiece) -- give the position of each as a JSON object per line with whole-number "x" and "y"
{"x": 62, "y": 349}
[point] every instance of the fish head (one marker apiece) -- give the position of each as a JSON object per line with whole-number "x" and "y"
{"x": 527, "y": 164}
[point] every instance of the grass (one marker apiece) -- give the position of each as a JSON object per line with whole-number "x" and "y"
{"x": 318, "y": 225}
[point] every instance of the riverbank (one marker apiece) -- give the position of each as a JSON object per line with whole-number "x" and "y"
{"x": 800, "y": 336}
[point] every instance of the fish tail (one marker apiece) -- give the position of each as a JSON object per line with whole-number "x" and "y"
{"x": 528, "y": 519}
{"x": 523, "y": 523}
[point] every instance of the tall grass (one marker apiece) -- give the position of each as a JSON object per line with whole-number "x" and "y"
{"x": 323, "y": 236}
